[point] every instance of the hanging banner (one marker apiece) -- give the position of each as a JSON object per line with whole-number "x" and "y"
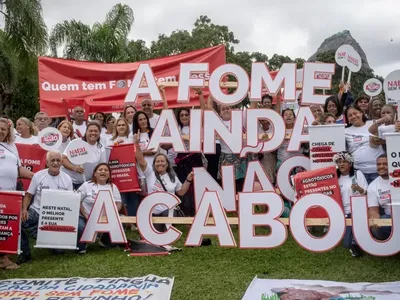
{"x": 108, "y": 84}
{"x": 122, "y": 163}
{"x": 320, "y": 181}
{"x": 10, "y": 222}
{"x": 325, "y": 142}
{"x": 393, "y": 154}
{"x": 58, "y": 220}
{"x": 136, "y": 288}
{"x": 33, "y": 157}
{"x": 264, "y": 289}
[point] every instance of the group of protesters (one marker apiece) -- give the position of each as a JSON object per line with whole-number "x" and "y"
{"x": 362, "y": 169}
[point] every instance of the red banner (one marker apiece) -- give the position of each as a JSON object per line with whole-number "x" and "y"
{"x": 104, "y": 86}
{"x": 32, "y": 157}
{"x": 122, "y": 163}
{"x": 323, "y": 181}
{"x": 10, "y": 212}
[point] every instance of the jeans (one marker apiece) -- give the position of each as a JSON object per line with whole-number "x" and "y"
{"x": 348, "y": 239}
{"x": 76, "y": 186}
{"x": 382, "y": 233}
{"x": 370, "y": 177}
{"x": 105, "y": 237}
{"x": 32, "y": 225}
{"x": 131, "y": 201}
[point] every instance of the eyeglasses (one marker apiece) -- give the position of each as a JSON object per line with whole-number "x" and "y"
{"x": 42, "y": 119}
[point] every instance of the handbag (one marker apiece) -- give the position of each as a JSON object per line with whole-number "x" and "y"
{"x": 143, "y": 187}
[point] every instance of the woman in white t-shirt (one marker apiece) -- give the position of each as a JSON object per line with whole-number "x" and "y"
{"x": 160, "y": 177}
{"x": 79, "y": 173}
{"x": 358, "y": 142}
{"x": 383, "y": 125}
{"x": 128, "y": 113}
{"x": 10, "y": 166}
{"x": 106, "y": 135}
{"x": 26, "y": 131}
{"x": 67, "y": 132}
{"x": 101, "y": 181}
{"x": 351, "y": 183}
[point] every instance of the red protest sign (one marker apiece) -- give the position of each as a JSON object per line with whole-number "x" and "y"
{"x": 10, "y": 212}
{"x": 32, "y": 157}
{"x": 122, "y": 163}
{"x": 323, "y": 181}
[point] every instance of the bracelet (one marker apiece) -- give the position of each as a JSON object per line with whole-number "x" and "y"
{"x": 189, "y": 180}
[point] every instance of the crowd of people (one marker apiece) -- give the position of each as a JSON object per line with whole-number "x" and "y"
{"x": 362, "y": 170}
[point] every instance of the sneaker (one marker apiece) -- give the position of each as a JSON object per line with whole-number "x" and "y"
{"x": 21, "y": 259}
{"x": 82, "y": 251}
{"x": 356, "y": 251}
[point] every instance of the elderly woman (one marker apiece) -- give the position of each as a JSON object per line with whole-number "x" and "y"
{"x": 67, "y": 132}
{"x": 27, "y": 132}
{"x": 10, "y": 166}
{"x": 100, "y": 181}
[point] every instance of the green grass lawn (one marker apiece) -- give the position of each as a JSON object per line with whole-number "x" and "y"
{"x": 213, "y": 272}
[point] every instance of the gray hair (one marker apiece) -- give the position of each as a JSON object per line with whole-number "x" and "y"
{"x": 48, "y": 155}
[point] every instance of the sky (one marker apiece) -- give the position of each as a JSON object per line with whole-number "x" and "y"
{"x": 287, "y": 27}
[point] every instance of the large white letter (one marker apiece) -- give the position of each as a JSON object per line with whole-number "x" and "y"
{"x": 254, "y": 168}
{"x": 210, "y": 204}
{"x": 214, "y": 124}
{"x": 242, "y": 84}
{"x": 204, "y": 182}
{"x": 248, "y": 220}
{"x": 104, "y": 206}
{"x": 362, "y": 232}
{"x": 286, "y": 76}
{"x": 196, "y": 130}
{"x": 167, "y": 120}
{"x": 144, "y": 215}
{"x": 337, "y": 223}
{"x": 310, "y": 82}
{"x": 185, "y": 80}
{"x": 143, "y": 73}
{"x": 304, "y": 117}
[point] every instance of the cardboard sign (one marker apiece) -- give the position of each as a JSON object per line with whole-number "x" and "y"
{"x": 50, "y": 139}
{"x": 79, "y": 152}
{"x": 325, "y": 142}
{"x": 10, "y": 222}
{"x": 391, "y": 86}
{"x": 58, "y": 221}
{"x": 122, "y": 163}
{"x": 320, "y": 181}
{"x": 373, "y": 87}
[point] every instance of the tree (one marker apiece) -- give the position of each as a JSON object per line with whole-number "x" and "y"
{"x": 104, "y": 42}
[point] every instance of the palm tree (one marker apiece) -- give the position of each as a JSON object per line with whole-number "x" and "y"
{"x": 104, "y": 42}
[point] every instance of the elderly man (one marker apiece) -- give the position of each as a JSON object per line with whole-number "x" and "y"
{"x": 79, "y": 123}
{"x": 148, "y": 107}
{"x": 47, "y": 179}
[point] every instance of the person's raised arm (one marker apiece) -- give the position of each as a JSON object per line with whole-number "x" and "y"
{"x": 186, "y": 185}
{"x": 163, "y": 96}
{"x": 138, "y": 152}
{"x": 199, "y": 92}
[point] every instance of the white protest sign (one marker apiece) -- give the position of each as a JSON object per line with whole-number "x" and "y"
{"x": 353, "y": 63}
{"x": 78, "y": 152}
{"x": 325, "y": 142}
{"x": 58, "y": 220}
{"x": 373, "y": 87}
{"x": 341, "y": 57}
{"x": 393, "y": 153}
{"x": 50, "y": 139}
{"x": 391, "y": 86}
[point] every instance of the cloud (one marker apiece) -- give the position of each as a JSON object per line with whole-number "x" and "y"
{"x": 293, "y": 28}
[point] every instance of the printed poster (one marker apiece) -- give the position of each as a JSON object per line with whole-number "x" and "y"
{"x": 321, "y": 181}
{"x": 122, "y": 162}
{"x": 10, "y": 222}
{"x": 149, "y": 287}
{"x": 325, "y": 142}
{"x": 58, "y": 220}
{"x": 274, "y": 289}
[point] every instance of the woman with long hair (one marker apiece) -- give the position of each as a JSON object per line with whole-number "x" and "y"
{"x": 79, "y": 173}
{"x": 141, "y": 123}
{"x": 10, "y": 167}
{"x": 352, "y": 183}
{"x": 100, "y": 181}
{"x": 128, "y": 113}
{"x": 334, "y": 107}
{"x": 27, "y": 132}
{"x": 101, "y": 118}
{"x": 67, "y": 132}
{"x": 358, "y": 142}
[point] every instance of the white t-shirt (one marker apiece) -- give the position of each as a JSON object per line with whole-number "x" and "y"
{"x": 379, "y": 194}
{"x": 144, "y": 141}
{"x": 42, "y": 180}
{"x": 89, "y": 191}
{"x": 385, "y": 129}
{"x": 104, "y": 137}
{"x": 125, "y": 140}
{"x": 63, "y": 146}
{"x": 100, "y": 153}
{"x": 224, "y": 146}
{"x": 357, "y": 143}
{"x": 345, "y": 183}
{"x": 283, "y": 154}
{"x": 9, "y": 165}
{"x": 81, "y": 128}
{"x": 27, "y": 141}
{"x": 153, "y": 185}
{"x": 153, "y": 120}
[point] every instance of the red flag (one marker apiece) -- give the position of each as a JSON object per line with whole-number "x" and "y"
{"x": 10, "y": 222}
{"x": 122, "y": 163}
{"x": 32, "y": 157}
